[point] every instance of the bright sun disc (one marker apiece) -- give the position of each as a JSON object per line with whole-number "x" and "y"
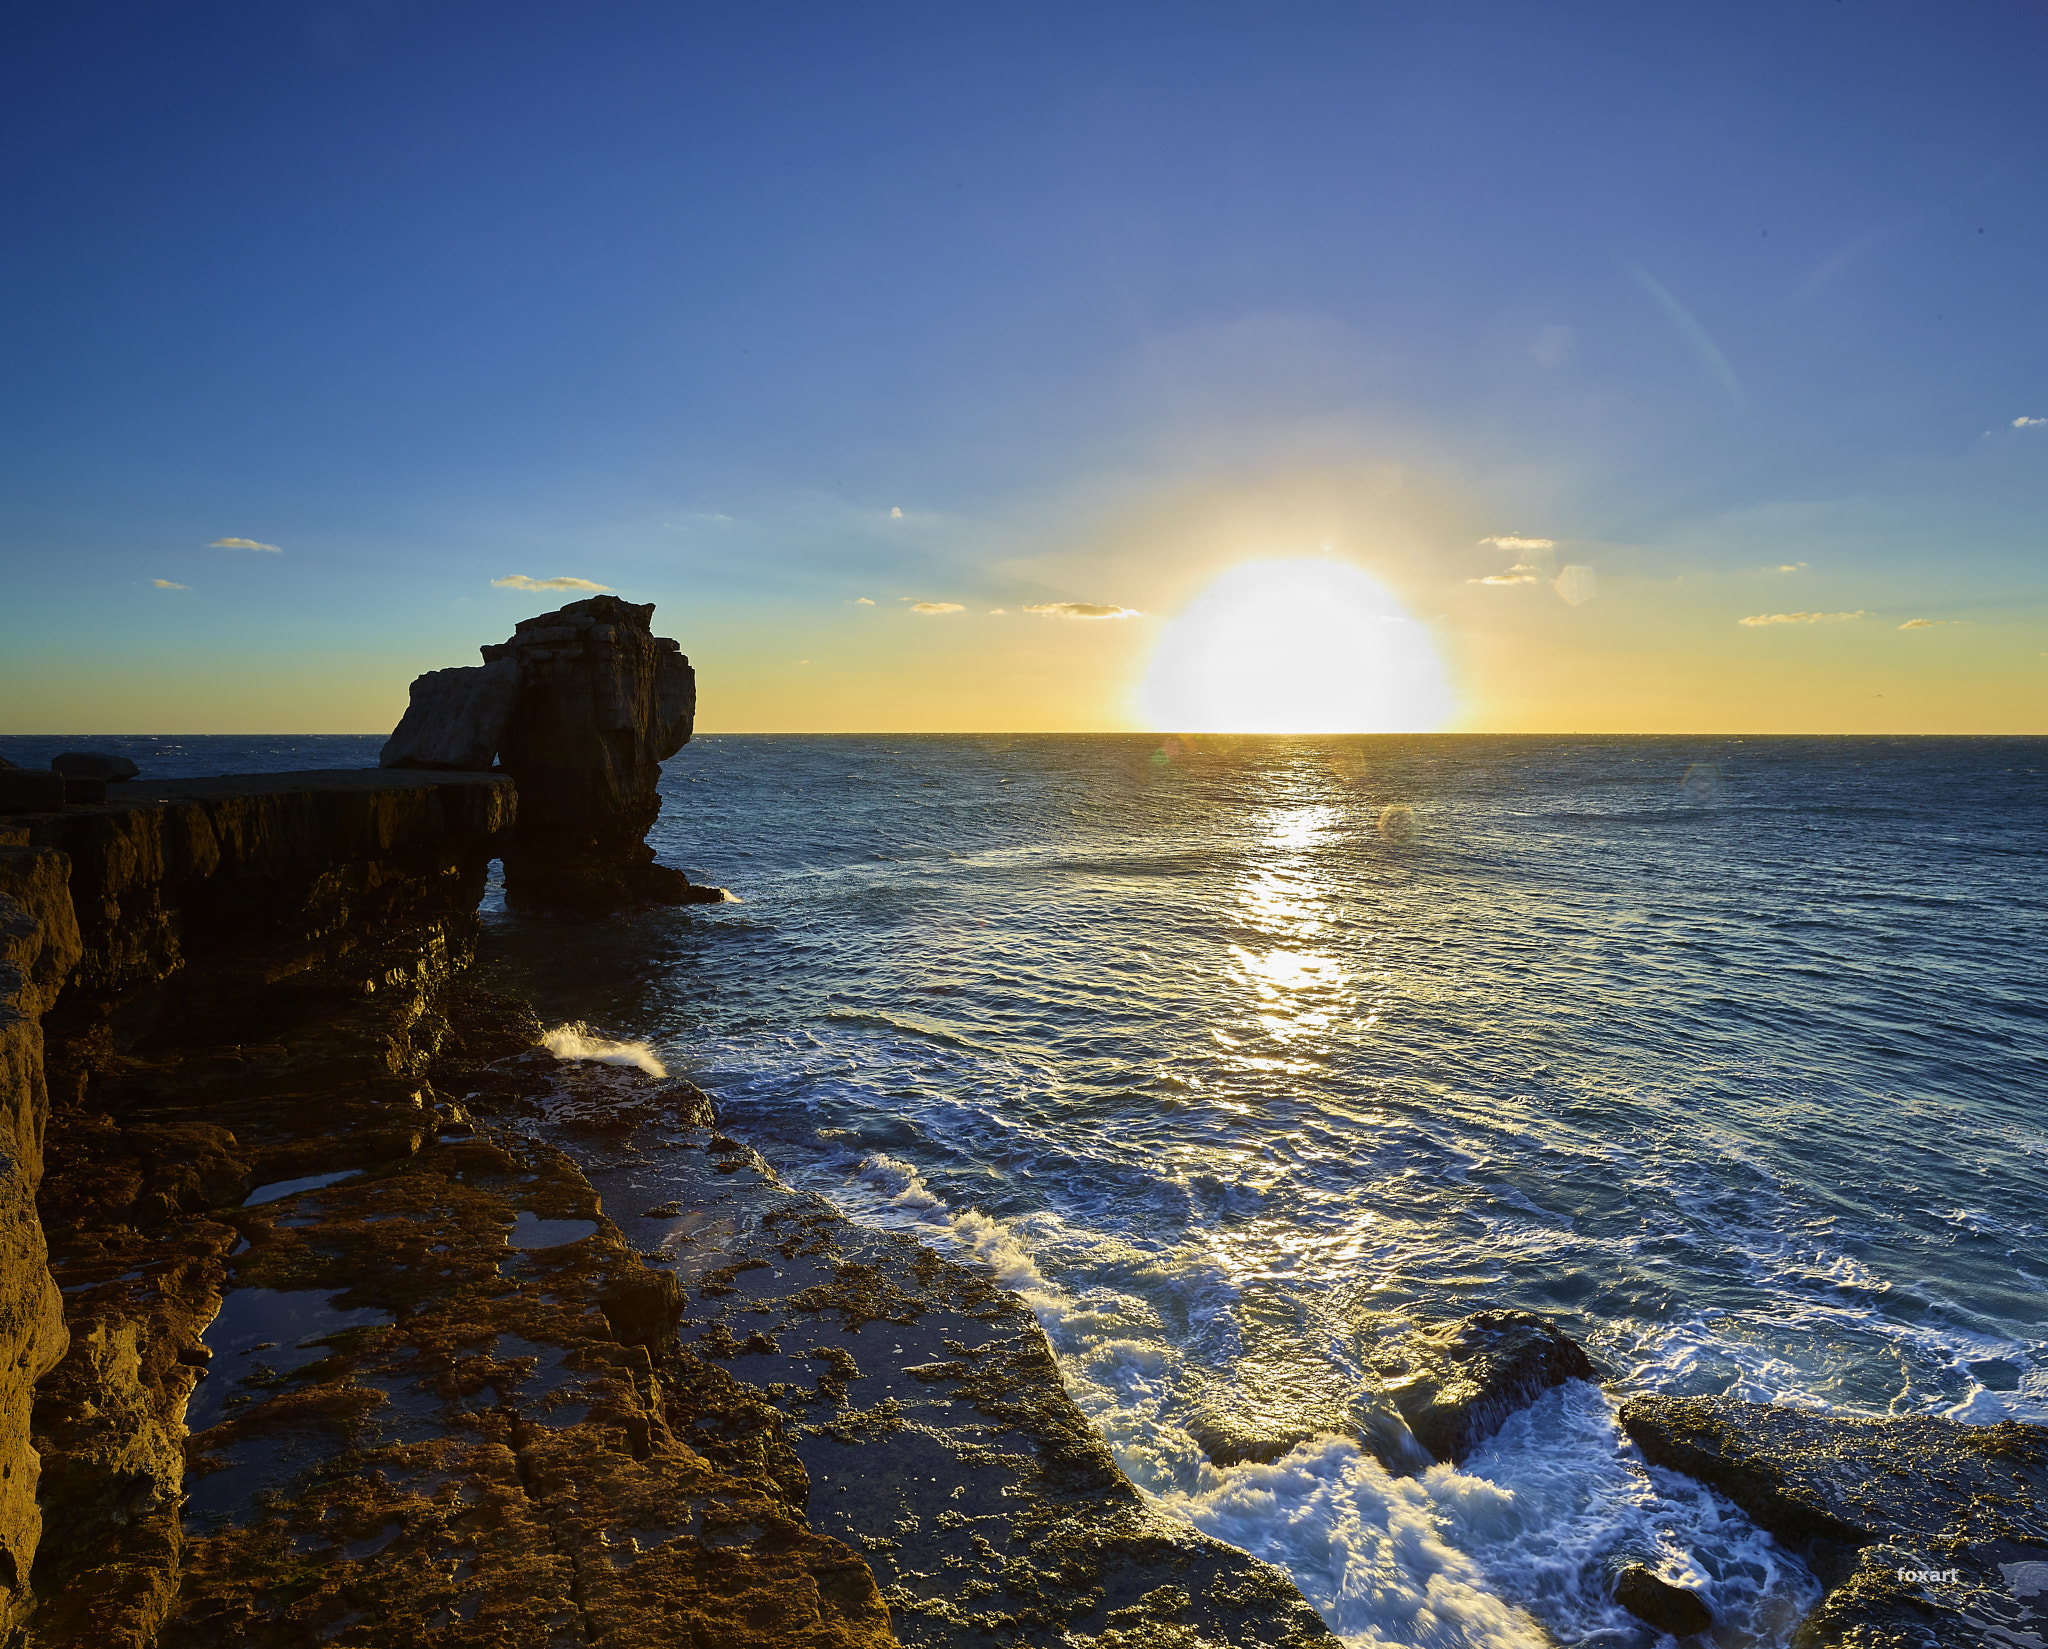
{"x": 1296, "y": 647}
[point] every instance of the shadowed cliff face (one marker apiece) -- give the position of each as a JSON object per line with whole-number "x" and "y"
{"x": 602, "y": 703}
{"x": 581, "y": 706}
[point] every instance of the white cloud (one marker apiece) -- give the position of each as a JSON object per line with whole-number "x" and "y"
{"x": 862, "y": 601}
{"x": 1534, "y": 557}
{"x": 166, "y": 584}
{"x": 519, "y": 581}
{"x": 242, "y": 544}
{"x": 1799, "y": 618}
{"x": 2029, "y": 423}
{"x": 1925, "y": 623}
{"x": 1079, "y": 609}
{"x": 1792, "y": 567}
{"x": 998, "y": 612}
{"x": 937, "y": 607}
{"x": 896, "y": 515}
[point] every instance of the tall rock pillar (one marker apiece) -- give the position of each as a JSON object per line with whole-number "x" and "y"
{"x": 581, "y": 707}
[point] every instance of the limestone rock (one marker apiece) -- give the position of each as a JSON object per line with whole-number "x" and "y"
{"x": 603, "y": 702}
{"x": 1658, "y": 1603}
{"x": 456, "y": 719}
{"x": 1928, "y": 1532}
{"x": 93, "y": 764}
{"x": 1454, "y": 1383}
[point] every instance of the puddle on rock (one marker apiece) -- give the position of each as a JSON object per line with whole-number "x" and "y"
{"x": 288, "y": 1187}
{"x": 262, "y": 1334}
{"x": 533, "y": 1232}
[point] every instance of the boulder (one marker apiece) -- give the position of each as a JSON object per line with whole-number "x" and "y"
{"x": 1455, "y": 1383}
{"x": 456, "y": 719}
{"x": 1928, "y": 1532}
{"x": 1660, "y": 1604}
{"x": 78, "y": 790}
{"x": 93, "y": 764}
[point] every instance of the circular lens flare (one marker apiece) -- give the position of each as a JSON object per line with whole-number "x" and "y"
{"x": 1296, "y": 647}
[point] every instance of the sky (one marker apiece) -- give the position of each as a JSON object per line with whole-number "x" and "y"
{"x": 1632, "y": 367}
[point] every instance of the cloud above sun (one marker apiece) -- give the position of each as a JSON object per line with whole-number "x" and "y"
{"x": 1079, "y": 609}
{"x": 243, "y": 544}
{"x": 519, "y": 581}
{"x": 1799, "y": 618}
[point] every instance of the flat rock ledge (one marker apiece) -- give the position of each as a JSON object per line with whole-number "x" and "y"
{"x": 921, "y": 1399}
{"x": 1925, "y": 1531}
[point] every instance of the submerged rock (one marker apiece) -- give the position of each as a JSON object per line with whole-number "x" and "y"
{"x": 1928, "y": 1532}
{"x": 93, "y": 764}
{"x": 1455, "y": 1383}
{"x": 1658, "y": 1603}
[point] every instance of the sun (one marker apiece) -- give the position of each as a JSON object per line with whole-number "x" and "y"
{"x": 1296, "y": 647}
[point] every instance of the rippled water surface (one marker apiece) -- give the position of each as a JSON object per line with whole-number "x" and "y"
{"x": 1727, "y": 1054}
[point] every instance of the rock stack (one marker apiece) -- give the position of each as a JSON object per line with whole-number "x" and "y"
{"x": 580, "y": 707}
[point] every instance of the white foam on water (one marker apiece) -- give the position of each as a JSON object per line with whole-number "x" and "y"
{"x": 575, "y": 1041}
{"x": 1511, "y": 1551}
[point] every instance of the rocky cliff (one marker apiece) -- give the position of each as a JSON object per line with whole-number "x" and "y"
{"x": 581, "y": 707}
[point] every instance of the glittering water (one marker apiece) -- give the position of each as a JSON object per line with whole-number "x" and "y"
{"x": 1727, "y": 1054}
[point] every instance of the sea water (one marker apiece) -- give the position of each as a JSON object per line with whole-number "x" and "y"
{"x": 1231, "y": 1055}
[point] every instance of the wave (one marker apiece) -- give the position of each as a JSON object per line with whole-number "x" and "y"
{"x": 576, "y": 1042}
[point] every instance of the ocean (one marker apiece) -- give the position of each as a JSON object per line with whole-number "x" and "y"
{"x": 1729, "y": 1055}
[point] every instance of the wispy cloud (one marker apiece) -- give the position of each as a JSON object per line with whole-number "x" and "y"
{"x": 896, "y": 514}
{"x": 1704, "y": 347}
{"x": 1799, "y": 618}
{"x": 1792, "y": 567}
{"x": 243, "y": 544}
{"x": 862, "y": 601}
{"x": 1078, "y": 609}
{"x": 519, "y": 581}
{"x": 998, "y": 612}
{"x": 166, "y": 584}
{"x": 1533, "y": 559}
{"x": 937, "y": 607}
{"x": 1925, "y": 623}
{"x": 2029, "y": 423}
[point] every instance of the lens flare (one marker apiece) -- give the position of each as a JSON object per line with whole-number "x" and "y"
{"x": 1296, "y": 647}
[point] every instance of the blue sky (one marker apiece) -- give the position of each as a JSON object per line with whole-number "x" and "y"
{"x": 689, "y": 301}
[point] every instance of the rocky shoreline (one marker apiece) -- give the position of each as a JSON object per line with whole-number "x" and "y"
{"x": 336, "y": 1310}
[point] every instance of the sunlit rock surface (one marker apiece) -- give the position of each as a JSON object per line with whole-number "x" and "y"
{"x": 1928, "y": 1532}
{"x": 921, "y": 1400}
